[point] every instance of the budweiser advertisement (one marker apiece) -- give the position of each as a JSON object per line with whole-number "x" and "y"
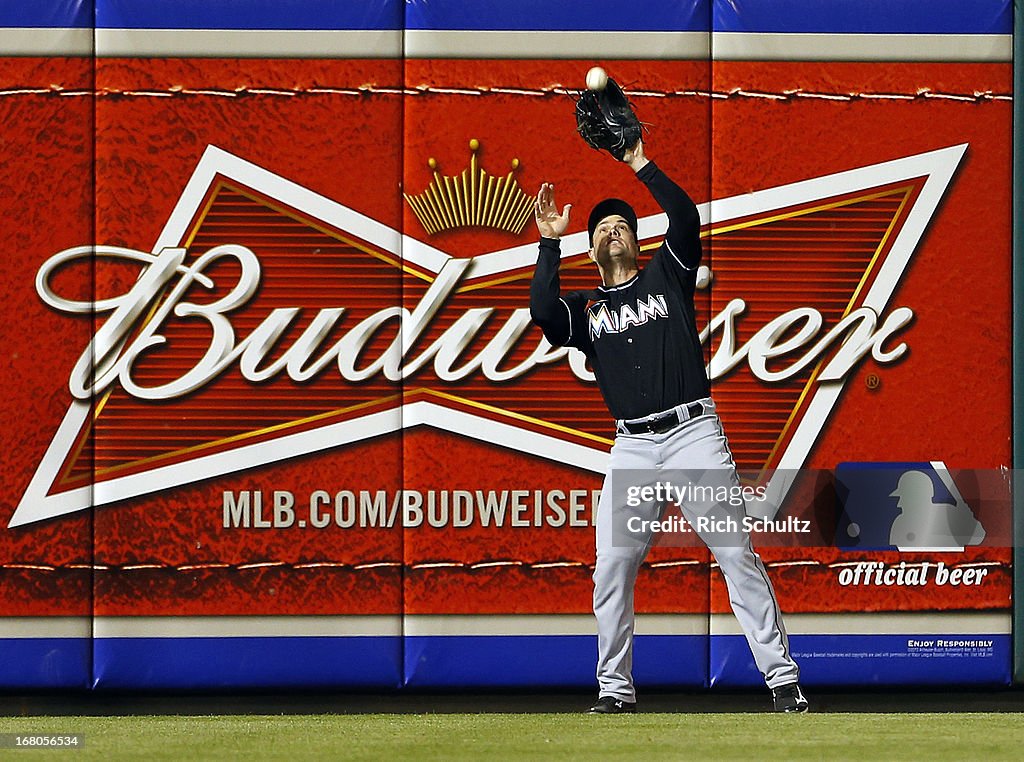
{"x": 279, "y": 414}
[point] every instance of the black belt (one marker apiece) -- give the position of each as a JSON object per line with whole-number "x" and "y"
{"x": 659, "y": 423}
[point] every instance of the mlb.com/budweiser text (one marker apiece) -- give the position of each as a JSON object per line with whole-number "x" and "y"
{"x": 348, "y": 509}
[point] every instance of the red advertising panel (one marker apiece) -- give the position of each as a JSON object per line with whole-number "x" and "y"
{"x": 281, "y": 415}
{"x": 511, "y": 433}
{"x": 916, "y": 241}
{"x": 232, "y": 395}
{"x": 45, "y": 572}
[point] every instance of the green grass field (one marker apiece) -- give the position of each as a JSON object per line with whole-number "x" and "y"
{"x": 748, "y": 737}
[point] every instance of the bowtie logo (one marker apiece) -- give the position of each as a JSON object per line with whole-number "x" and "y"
{"x": 269, "y": 322}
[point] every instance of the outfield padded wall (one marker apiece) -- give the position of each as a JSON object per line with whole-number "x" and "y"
{"x": 415, "y": 509}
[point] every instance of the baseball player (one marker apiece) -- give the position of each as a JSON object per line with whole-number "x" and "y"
{"x": 639, "y": 333}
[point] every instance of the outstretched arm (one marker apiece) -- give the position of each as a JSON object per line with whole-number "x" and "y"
{"x": 547, "y": 308}
{"x": 683, "y": 236}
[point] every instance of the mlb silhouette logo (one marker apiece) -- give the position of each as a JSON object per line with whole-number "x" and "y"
{"x": 903, "y": 506}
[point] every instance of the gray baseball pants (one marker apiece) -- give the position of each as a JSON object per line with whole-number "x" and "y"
{"x": 697, "y": 445}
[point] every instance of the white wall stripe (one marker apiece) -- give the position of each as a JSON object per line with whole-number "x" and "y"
{"x": 248, "y": 43}
{"x": 45, "y": 627}
{"x": 543, "y": 44}
{"x": 547, "y": 624}
{"x": 449, "y": 44}
{"x": 730, "y": 46}
{"x": 31, "y": 41}
{"x": 883, "y": 623}
{"x": 246, "y": 626}
{"x": 877, "y": 623}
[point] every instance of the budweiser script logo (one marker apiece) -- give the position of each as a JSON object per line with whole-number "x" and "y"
{"x": 137, "y": 317}
{"x": 432, "y": 339}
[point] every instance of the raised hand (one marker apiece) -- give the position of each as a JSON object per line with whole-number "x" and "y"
{"x": 635, "y": 157}
{"x": 550, "y": 223}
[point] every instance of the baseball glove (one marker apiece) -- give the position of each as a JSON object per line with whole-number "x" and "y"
{"x": 606, "y": 121}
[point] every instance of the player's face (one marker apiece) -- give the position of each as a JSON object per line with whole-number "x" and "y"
{"x": 614, "y": 239}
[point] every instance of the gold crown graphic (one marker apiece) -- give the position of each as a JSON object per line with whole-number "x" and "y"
{"x": 472, "y": 199}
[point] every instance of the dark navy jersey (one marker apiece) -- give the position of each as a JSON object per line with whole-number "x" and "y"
{"x": 640, "y": 336}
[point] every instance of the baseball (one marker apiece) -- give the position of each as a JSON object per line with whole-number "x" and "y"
{"x": 597, "y": 79}
{"x": 704, "y": 277}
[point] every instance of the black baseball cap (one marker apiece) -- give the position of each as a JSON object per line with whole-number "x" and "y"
{"x": 607, "y": 208}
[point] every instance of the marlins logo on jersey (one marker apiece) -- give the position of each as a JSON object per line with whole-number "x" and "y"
{"x": 605, "y": 319}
